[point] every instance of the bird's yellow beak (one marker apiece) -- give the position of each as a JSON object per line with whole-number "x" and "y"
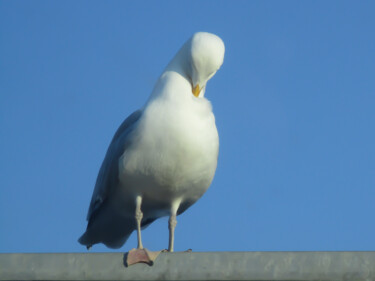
{"x": 196, "y": 90}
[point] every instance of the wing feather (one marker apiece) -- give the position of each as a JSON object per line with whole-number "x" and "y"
{"x": 108, "y": 173}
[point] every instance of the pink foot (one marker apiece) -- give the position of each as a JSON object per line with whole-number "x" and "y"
{"x": 141, "y": 255}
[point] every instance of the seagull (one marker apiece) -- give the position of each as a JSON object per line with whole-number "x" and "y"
{"x": 163, "y": 157}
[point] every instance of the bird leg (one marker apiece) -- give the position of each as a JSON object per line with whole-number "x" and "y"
{"x": 172, "y": 223}
{"x": 138, "y": 218}
{"x": 140, "y": 254}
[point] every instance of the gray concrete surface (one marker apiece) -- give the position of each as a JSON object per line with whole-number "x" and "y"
{"x": 192, "y": 266}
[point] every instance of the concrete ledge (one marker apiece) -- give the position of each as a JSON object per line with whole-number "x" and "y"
{"x": 192, "y": 266}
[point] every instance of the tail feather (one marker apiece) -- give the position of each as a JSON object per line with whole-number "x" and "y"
{"x": 108, "y": 227}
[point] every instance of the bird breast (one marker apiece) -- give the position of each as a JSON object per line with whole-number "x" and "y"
{"x": 175, "y": 150}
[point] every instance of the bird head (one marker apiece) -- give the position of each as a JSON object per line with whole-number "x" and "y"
{"x": 206, "y": 57}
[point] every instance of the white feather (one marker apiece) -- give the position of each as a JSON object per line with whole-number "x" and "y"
{"x": 167, "y": 153}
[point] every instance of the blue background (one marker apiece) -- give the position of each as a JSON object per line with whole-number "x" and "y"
{"x": 294, "y": 105}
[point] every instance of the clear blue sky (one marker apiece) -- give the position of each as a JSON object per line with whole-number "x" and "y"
{"x": 294, "y": 105}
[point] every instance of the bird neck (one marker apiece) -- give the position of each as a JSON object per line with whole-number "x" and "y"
{"x": 175, "y": 81}
{"x": 181, "y": 61}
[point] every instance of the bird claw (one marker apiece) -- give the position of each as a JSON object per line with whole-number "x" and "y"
{"x": 167, "y": 251}
{"x": 141, "y": 256}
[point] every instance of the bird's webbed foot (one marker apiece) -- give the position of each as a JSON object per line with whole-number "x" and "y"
{"x": 141, "y": 256}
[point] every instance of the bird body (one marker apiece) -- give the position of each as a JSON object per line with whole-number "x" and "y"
{"x": 175, "y": 152}
{"x": 161, "y": 160}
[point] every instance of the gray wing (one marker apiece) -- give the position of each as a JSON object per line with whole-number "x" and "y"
{"x": 108, "y": 173}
